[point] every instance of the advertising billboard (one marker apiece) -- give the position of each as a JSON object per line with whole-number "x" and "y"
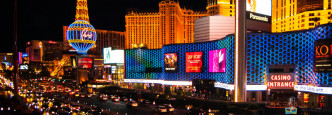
{"x": 171, "y": 60}
{"x": 24, "y": 67}
{"x": 194, "y": 62}
{"x": 84, "y": 62}
{"x": 280, "y": 81}
{"x": 217, "y": 60}
{"x": 290, "y": 110}
{"x": 107, "y": 55}
{"x": 113, "y": 56}
{"x": 323, "y": 55}
{"x": 259, "y": 10}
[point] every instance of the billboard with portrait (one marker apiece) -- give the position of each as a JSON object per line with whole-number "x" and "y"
{"x": 259, "y": 10}
{"x": 263, "y": 7}
{"x": 113, "y": 56}
{"x": 84, "y": 62}
{"x": 171, "y": 60}
{"x": 217, "y": 60}
{"x": 194, "y": 61}
{"x": 107, "y": 55}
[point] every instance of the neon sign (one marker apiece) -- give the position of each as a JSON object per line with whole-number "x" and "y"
{"x": 85, "y": 35}
{"x": 280, "y": 81}
{"x": 323, "y": 55}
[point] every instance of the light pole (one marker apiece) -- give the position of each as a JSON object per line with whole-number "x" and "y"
{"x": 15, "y": 47}
{"x": 240, "y": 74}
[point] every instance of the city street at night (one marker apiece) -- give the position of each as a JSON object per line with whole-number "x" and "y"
{"x": 166, "y": 57}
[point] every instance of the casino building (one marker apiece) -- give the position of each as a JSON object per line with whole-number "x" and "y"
{"x": 283, "y": 69}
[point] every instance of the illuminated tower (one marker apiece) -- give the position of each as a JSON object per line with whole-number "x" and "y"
{"x": 222, "y": 7}
{"x": 82, "y": 10}
{"x": 293, "y": 15}
{"x": 170, "y": 25}
{"x": 81, "y": 34}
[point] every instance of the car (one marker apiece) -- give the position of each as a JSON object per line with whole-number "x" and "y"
{"x": 112, "y": 96}
{"x": 116, "y": 99}
{"x": 39, "y": 94}
{"x": 89, "y": 95}
{"x": 45, "y": 100}
{"x": 146, "y": 102}
{"x": 65, "y": 104}
{"x": 124, "y": 99}
{"x": 169, "y": 107}
{"x": 132, "y": 104}
{"x": 160, "y": 109}
{"x": 195, "y": 111}
{"x": 141, "y": 100}
{"x": 82, "y": 95}
{"x": 77, "y": 94}
{"x": 56, "y": 104}
{"x": 54, "y": 110}
{"x": 71, "y": 93}
{"x": 45, "y": 107}
{"x": 102, "y": 95}
{"x": 75, "y": 108}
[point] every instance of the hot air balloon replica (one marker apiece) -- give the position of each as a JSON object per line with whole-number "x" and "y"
{"x": 81, "y": 35}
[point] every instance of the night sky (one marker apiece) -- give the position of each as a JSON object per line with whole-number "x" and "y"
{"x": 43, "y": 19}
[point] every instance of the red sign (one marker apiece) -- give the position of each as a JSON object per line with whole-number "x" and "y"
{"x": 194, "y": 61}
{"x": 280, "y": 81}
{"x": 85, "y": 62}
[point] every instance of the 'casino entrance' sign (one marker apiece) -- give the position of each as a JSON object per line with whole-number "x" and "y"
{"x": 280, "y": 81}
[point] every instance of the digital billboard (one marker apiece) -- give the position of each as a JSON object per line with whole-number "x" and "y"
{"x": 259, "y": 10}
{"x": 113, "y": 56}
{"x": 171, "y": 60}
{"x": 107, "y": 55}
{"x": 24, "y": 67}
{"x": 84, "y": 62}
{"x": 194, "y": 61}
{"x": 323, "y": 55}
{"x": 217, "y": 60}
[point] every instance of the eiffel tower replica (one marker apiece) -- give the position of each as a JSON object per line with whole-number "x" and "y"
{"x": 82, "y": 10}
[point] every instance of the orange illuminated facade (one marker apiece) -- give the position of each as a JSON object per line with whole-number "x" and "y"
{"x": 291, "y": 15}
{"x": 172, "y": 24}
{"x": 222, "y": 7}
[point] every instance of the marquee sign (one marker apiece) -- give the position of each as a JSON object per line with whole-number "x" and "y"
{"x": 280, "y": 81}
{"x": 323, "y": 55}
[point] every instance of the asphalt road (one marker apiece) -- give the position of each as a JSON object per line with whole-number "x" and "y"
{"x": 120, "y": 107}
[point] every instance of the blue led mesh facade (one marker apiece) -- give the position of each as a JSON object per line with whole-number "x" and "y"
{"x": 264, "y": 49}
{"x": 156, "y": 58}
{"x": 137, "y": 61}
{"x": 205, "y": 47}
{"x": 295, "y": 48}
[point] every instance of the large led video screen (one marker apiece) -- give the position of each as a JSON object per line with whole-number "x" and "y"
{"x": 171, "y": 60}
{"x": 113, "y": 56}
{"x": 323, "y": 55}
{"x": 217, "y": 60}
{"x": 263, "y": 7}
{"x": 107, "y": 55}
{"x": 24, "y": 67}
{"x": 194, "y": 62}
{"x": 84, "y": 62}
{"x": 259, "y": 10}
